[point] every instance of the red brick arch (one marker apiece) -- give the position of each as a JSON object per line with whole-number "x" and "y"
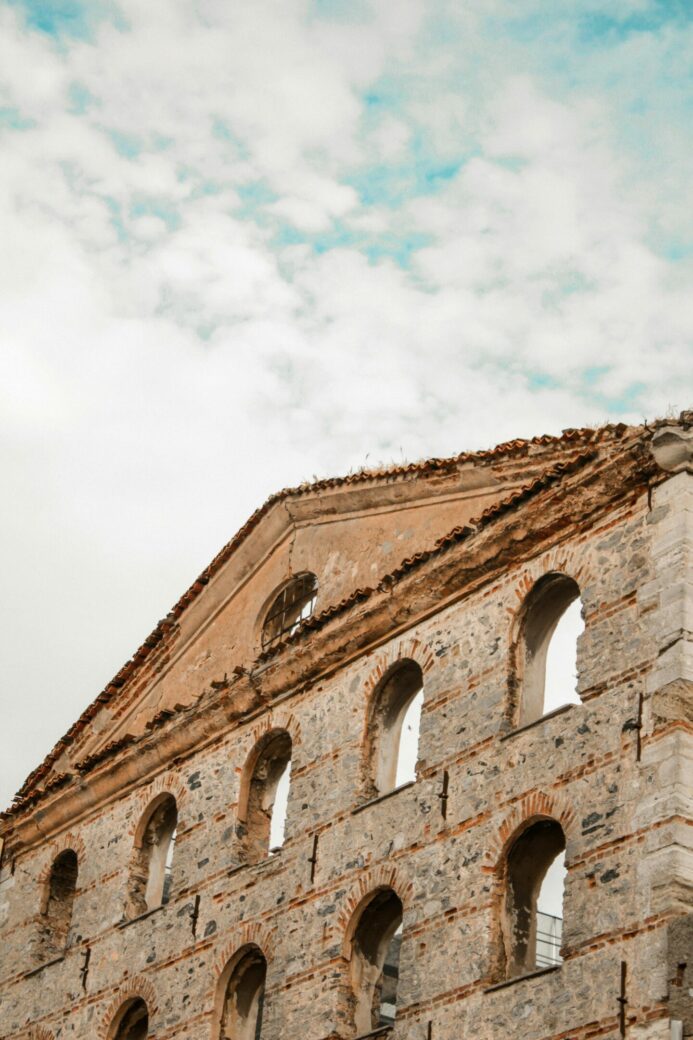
{"x": 251, "y": 933}
{"x": 279, "y": 719}
{"x": 137, "y": 986}
{"x": 572, "y": 561}
{"x": 534, "y": 806}
{"x": 409, "y": 649}
{"x": 361, "y": 893}
{"x": 62, "y": 844}
{"x": 163, "y": 785}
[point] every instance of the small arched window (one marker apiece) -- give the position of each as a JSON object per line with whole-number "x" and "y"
{"x": 546, "y": 654}
{"x": 240, "y": 997}
{"x": 131, "y": 1022}
{"x": 293, "y": 604}
{"x": 151, "y": 871}
{"x": 533, "y": 912}
{"x": 392, "y": 738}
{"x": 375, "y": 953}
{"x": 264, "y": 796}
{"x": 60, "y": 897}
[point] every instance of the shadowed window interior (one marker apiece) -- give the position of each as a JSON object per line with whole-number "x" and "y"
{"x": 375, "y": 963}
{"x": 132, "y": 1022}
{"x": 547, "y": 661}
{"x": 294, "y": 604}
{"x": 151, "y": 874}
{"x": 242, "y": 989}
{"x": 267, "y": 798}
{"x": 57, "y": 917}
{"x": 533, "y": 916}
{"x": 392, "y": 737}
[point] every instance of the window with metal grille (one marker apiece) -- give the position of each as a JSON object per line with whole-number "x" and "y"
{"x": 293, "y": 605}
{"x": 535, "y": 880}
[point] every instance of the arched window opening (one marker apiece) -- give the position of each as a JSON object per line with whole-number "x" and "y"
{"x": 392, "y": 740}
{"x": 547, "y": 665}
{"x": 533, "y": 919}
{"x": 294, "y": 603}
{"x": 240, "y": 997}
{"x": 131, "y": 1022}
{"x": 152, "y": 870}
{"x": 267, "y": 798}
{"x": 62, "y": 886}
{"x": 375, "y": 963}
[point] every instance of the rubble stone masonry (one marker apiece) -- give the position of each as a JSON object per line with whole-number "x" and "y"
{"x": 613, "y": 511}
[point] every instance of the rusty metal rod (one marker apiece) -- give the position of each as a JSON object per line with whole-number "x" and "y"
{"x": 622, "y": 1001}
{"x": 313, "y": 859}
{"x": 443, "y": 795}
{"x": 194, "y": 916}
{"x": 84, "y": 970}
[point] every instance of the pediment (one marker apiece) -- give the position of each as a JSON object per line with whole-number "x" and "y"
{"x": 350, "y": 532}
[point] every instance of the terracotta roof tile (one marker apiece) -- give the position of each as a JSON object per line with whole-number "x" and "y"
{"x": 103, "y": 753}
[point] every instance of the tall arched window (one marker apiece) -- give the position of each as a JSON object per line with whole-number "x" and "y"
{"x": 374, "y": 966}
{"x": 131, "y": 1022}
{"x": 60, "y": 897}
{"x": 293, "y": 604}
{"x": 546, "y": 653}
{"x": 533, "y": 910}
{"x": 152, "y": 864}
{"x": 240, "y": 997}
{"x": 392, "y": 736}
{"x": 264, "y": 796}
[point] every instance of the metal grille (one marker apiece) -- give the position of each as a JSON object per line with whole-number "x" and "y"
{"x": 293, "y": 605}
{"x": 549, "y": 938}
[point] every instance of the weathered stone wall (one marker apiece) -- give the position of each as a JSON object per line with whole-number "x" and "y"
{"x": 350, "y": 537}
{"x": 621, "y": 794}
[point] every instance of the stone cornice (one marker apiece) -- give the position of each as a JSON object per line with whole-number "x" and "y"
{"x": 278, "y": 515}
{"x": 568, "y": 499}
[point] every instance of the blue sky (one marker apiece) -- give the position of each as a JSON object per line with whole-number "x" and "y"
{"x": 247, "y": 244}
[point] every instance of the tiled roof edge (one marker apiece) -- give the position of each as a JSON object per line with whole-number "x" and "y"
{"x": 164, "y": 627}
{"x": 453, "y": 537}
{"x": 442, "y": 545}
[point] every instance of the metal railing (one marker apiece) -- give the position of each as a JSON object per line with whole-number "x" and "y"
{"x": 549, "y": 938}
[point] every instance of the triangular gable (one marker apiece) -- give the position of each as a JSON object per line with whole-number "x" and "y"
{"x": 439, "y": 499}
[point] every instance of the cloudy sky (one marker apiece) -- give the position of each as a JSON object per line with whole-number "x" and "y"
{"x": 248, "y": 243}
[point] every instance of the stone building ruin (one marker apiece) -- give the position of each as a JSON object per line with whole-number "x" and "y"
{"x": 330, "y": 795}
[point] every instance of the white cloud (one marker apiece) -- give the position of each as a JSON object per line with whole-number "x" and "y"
{"x": 168, "y": 362}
